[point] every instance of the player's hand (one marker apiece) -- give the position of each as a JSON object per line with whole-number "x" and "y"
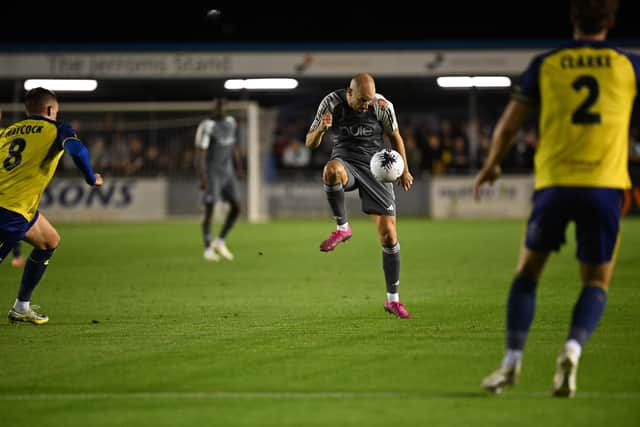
{"x": 203, "y": 184}
{"x": 406, "y": 180}
{"x": 487, "y": 174}
{"x": 99, "y": 180}
{"x": 327, "y": 121}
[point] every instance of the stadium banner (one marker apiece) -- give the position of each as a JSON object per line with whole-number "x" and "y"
{"x": 508, "y": 197}
{"x": 391, "y": 63}
{"x": 119, "y": 199}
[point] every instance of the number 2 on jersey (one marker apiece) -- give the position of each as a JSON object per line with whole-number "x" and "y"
{"x": 582, "y": 115}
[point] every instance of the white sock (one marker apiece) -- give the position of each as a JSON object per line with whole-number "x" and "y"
{"x": 574, "y": 347}
{"x": 21, "y": 306}
{"x": 393, "y": 297}
{"x": 218, "y": 241}
{"x": 511, "y": 358}
{"x": 344, "y": 227}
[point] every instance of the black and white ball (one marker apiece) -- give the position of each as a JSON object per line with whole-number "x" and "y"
{"x": 387, "y": 165}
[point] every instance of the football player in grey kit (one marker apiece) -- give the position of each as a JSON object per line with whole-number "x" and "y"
{"x": 215, "y": 140}
{"x": 358, "y": 118}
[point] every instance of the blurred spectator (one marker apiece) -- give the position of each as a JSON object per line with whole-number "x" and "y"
{"x": 136, "y": 162}
{"x": 414, "y": 155}
{"x": 526, "y": 144}
{"x": 295, "y": 155}
{"x": 459, "y": 156}
{"x": 119, "y": 155}
{"x": 484, "y": 144}
{"x": 100, "y": 152}
{"x": 152, "y": 162}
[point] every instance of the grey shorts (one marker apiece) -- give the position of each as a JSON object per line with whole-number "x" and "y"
{"x": 221, "y": 187}
{"x": 376, "y": 197}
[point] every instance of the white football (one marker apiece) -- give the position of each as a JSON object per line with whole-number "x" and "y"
{"x": 387, "y": 165}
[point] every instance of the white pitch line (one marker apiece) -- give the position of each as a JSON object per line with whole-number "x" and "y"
{"x": 287, "y": 395}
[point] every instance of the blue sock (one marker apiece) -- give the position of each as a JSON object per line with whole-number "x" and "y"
{"x": 587, "y": 313}
{"x": 520, "y": 310}
{"x": 33, "y": 270}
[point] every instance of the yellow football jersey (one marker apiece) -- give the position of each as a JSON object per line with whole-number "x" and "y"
{"x": 585, "y": 93}
{"x": 29, "y": 154}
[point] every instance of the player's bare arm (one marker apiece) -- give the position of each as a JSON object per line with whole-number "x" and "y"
{"x": 406, "y": 179}
{"x": 238, "y": 163}
{"x": 314, "y": 137}
{"x": 504, "y": 135}
{"x": 201, "y": 167}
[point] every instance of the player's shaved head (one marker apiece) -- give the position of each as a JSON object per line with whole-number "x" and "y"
{"x": 41, "y": 101}
{"x": 363, "y": 84}
{"x": 361, "y": 92}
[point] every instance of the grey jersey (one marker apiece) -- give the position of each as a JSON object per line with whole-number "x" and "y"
{"x": 218, "y": 138}
{"x": 356, "y": 136}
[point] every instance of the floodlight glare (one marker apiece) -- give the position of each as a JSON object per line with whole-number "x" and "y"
{"x": 62, "y": 85}
{"x": 234, "y": 84}
{"x": 261, "y": 84}
{"x": 476, "y": 81}
{"x": 491, "y": 81}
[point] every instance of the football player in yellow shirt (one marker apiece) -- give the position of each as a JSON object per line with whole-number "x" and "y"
{"x": 17, "y": 260}
{"x": 584, "y": 92}
{"x": 30, "y": 150}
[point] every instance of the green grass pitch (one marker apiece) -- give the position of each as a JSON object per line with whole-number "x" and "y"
{"x": 144, "y": 332}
